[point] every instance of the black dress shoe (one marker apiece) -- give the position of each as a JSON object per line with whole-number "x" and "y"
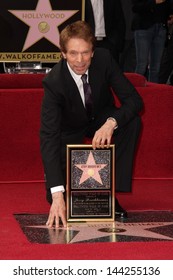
{"x": 119, "y": 211}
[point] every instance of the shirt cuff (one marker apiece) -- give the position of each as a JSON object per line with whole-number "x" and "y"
{"x": 114, "y": 120}
{"x": 57, "y": 189}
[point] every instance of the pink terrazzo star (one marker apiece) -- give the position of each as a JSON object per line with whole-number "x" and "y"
{"x": 90, "y": 169}
{"x": 43, "y": 22}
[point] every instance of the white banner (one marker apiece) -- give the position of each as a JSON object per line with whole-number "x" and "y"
{"x": 86, "y": 269}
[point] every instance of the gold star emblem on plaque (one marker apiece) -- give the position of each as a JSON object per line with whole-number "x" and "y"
{"x": 90, "y": 169}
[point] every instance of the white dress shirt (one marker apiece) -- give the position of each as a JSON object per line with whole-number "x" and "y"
{"x": 97, "y": 6}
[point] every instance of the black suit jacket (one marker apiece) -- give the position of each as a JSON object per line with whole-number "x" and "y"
{"x": 115, "y": 25}
{"x": 145, "y": 13}
{"x": 64, "y": 119}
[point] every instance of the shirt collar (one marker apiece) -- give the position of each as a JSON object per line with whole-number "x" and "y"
{"x": 74, "y": 75}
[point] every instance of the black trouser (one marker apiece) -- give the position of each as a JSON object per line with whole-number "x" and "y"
{"x": 166, "y": 67}
{"x": 105, "y": 43}
{"x": 125, "y": 140}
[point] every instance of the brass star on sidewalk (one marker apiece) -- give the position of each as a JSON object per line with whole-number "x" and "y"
{"x": 85, "y": 232}
{"x": 90, "y": 231}
{"x": 90, "y": 169}
{"x": 43, "y": 22}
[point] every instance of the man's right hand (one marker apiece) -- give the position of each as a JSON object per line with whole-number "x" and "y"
{"x": 57, "y": 210}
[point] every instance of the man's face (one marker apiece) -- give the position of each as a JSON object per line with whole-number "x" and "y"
{"x": 78, "y": 55}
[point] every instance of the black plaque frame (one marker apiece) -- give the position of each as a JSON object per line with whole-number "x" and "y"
{"x": 90, "y": 183}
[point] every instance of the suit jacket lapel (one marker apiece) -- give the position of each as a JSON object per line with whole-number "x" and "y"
{"x": 94, "y": 83}
{"x": 72, "y": 91}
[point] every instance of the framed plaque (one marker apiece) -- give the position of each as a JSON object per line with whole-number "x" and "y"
{"x": 90, "y": 183}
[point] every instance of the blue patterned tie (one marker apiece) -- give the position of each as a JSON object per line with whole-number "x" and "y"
{"x": 87, "y": 95}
